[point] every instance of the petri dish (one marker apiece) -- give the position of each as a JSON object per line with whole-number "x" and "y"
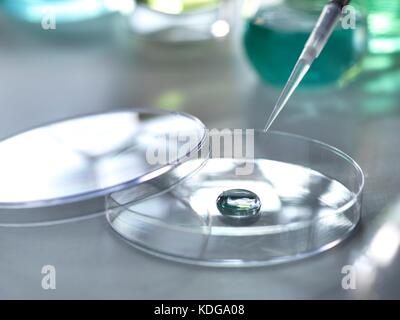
{"x": 304, "y": 197}
{"x": 63, "y": 170}
{"x": 168, "y": 186}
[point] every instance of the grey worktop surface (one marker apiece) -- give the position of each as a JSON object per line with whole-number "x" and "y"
{"x": 49, "y": 75}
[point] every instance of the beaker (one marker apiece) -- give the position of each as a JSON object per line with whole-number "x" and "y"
{"x": 276, "y": 31}
{"x": 57, "y": 11}
{"x": 182, "y": 20}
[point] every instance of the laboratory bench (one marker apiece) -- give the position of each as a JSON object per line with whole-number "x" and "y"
{"x": 45, "y": 78}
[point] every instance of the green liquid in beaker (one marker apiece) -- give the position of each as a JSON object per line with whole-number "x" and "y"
{"x": 275, "y": 37}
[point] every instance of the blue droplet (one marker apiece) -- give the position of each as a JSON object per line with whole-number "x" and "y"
{"x": 239, "y": 207}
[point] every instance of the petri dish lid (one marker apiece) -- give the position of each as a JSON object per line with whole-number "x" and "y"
{"x": 64, "y": 170}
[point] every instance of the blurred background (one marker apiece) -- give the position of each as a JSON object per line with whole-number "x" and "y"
{"x": 221, "y": 60}
{"x": 225, "y": 62}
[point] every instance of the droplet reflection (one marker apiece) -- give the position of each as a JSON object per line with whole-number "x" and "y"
{"x": 239, "y": 207}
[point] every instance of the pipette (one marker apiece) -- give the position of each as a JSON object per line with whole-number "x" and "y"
{"x": 319, "y": 36}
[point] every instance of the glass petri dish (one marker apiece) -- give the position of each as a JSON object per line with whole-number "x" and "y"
{"x": 64, "y": 170}
{"x": 309, "y": 197}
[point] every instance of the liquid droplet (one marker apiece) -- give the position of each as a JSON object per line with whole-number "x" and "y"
{"x": 239, "y": 207}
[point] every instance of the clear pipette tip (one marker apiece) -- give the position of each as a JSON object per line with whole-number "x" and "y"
{"x": 313, "y": 47}
{"x": 299, "y": 71}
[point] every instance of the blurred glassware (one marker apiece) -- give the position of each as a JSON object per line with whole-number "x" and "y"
{"x": 384, "y": 26}
{"x": 182, "y": 20}
{"x": 62, "y": 11}
{"x": 276, "y": 32}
